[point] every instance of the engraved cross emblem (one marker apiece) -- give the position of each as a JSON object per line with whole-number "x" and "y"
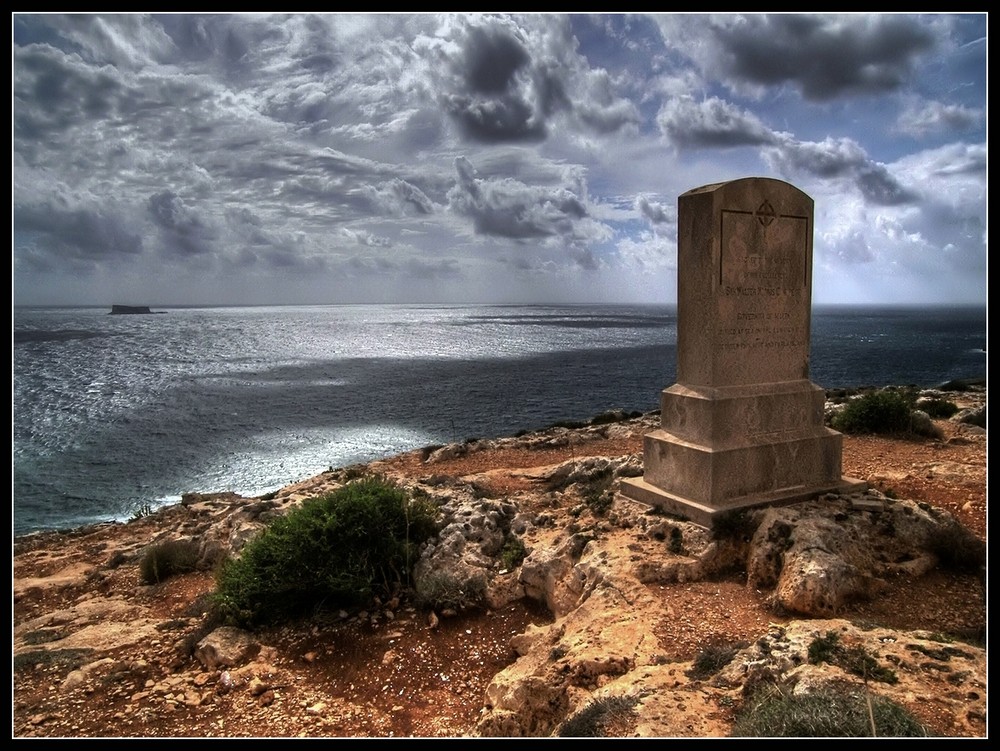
{"x": 765, "y": 213}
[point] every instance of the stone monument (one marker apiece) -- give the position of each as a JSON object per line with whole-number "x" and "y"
{"x": 743, "y": 425}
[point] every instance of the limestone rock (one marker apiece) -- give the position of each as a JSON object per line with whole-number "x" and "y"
{"x": 973, "y": 416}
{"x": 226, "y": 646}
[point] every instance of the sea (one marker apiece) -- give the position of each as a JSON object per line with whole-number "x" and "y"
{"x": 116, "y": 415}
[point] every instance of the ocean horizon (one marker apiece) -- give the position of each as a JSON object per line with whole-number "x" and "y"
{"x": 117, "y": 413}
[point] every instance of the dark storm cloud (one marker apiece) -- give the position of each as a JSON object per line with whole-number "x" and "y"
{"x": 509, "y": 80}
{"x": 879, "y": 187}
{"x": 824, "y": 56}
{"x": 251, "y": 243}
{"x": 53, "y": 91}
{"x": 508, "y": 208}
{"x": 712, "y": 123}
{"x": 278, "y": 146}
{"x": 494, "y": 104}
{"x": 93, "y": 111}
{"x": 496, "y": 121}
{"x": 830, "y": 158}
{"x": 840, "y": 158}
{"x": 492, "y": 58}
{"x": 62, "y": 238}
{"x": 182, "y": 232}
{"x": 586, "y": 259}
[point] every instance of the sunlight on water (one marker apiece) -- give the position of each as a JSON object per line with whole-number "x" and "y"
{"x": 272, "y": 460}
{"x": 115, "y": 412}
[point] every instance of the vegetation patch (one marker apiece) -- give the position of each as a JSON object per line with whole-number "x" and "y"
{"x": 773, "y": 713}
{"x": 713, "y": 658}
{"x": 569, "y": 424}
{"x": 338, "y": 549}
{"x": 73, "y": 658}
{"x": 606, "y": 717}
{"x": 513, "y": 553}
{"x": 597, "y": 493}
{"x": 938, "y": 409}
{"x": 613, "y": 416}
{"x": 142, "y": 512}
{"x": 855, "y": 660}
{"x": 882, "y": 411}
{"x": 441, "y": 590}
{"x": 958, "y": 548}
{"x": 166, "y": 559}
{"x": 944, "y": 654}
{"x": 44, "y": 635}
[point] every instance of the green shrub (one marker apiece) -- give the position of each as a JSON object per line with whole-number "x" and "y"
{"x": 855, "y": 660}
{"x": 166, "y": 559}
{"x": 513, "y": 553}
{"x": 824, "y": 714}
{"x": 884, "y": 411}
{"x": 823, "y": 648}
{"x": 938, "y": 408}
{"x": 338, "y": 549}
{"x": 597, "y": 493}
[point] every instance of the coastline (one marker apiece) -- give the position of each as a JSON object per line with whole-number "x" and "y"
{"x": 97, "y": 652}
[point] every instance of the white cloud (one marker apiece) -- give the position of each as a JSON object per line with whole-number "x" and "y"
{"x": 510, "y": 156}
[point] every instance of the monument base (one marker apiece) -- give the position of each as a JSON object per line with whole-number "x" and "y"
{"x": 637, "y": 489}
{"x": 720, "y": 449}
{"x": 743, "y": 425}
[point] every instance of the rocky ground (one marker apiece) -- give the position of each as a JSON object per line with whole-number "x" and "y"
{"x": 98, "y": 654}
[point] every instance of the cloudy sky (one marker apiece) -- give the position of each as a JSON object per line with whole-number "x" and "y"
{"x": 262, "y": 159}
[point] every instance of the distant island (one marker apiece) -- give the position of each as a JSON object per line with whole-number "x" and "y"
{"x": 117, "y": 310}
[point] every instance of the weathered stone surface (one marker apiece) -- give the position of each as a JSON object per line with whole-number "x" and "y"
{"x": 974, "y": 416}
{"x": 916, "y": 660}
{"x": 814, "y": 557}
{"x": 226, "y": 646}
{"x": 92, "y": 623}
{"x": 743, "y": 425}
{"x": 610, "y": 580}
